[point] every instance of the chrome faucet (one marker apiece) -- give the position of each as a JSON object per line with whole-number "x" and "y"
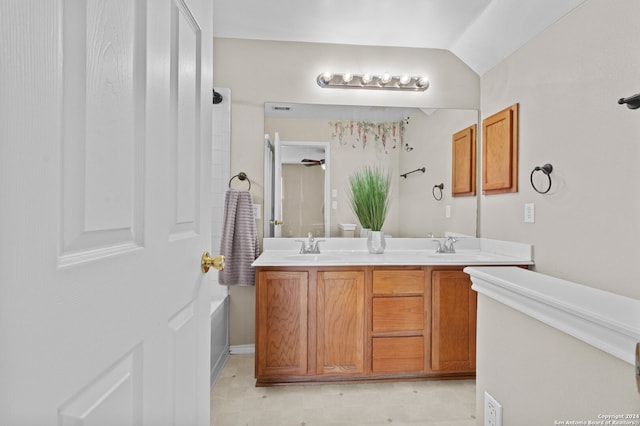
{"x": 310, "y": 245}
{"x": 446, "y": 246}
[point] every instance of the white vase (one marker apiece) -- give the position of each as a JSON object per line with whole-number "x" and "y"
{"x": 375, "y": 242}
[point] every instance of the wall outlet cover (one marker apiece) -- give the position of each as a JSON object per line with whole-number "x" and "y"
{"x": 529, "y": 213}
{"x": 492, "y": 411}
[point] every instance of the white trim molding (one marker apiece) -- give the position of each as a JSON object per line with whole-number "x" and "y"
{"x": 242, "y": 349}
{"x": 607, "y": 321}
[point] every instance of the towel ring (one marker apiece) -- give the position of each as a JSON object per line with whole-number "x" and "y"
{"x": 546, "y": 169}
{"x": 241, "y": 176}
{"x": 433, "y": 191}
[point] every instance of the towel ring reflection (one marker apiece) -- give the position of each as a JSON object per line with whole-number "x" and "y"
{"x": 241, "y": 176}
{"x": 546, "y": 169}
{"x": 433, "y": 191}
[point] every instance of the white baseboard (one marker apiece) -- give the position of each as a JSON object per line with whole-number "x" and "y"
{"x": 242, "y": 349}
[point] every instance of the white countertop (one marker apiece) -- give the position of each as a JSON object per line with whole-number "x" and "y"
{"x": 398, "y": 252}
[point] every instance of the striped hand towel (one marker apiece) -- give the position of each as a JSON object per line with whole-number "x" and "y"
{"x": 239, "y": 243}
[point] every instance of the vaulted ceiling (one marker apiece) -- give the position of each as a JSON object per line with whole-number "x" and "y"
{"x": 480, "y": 32}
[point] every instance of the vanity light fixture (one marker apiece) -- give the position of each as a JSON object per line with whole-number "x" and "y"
{"x": 384, "y": 81}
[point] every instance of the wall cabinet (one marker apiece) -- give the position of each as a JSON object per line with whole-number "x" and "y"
{"x": 500, "y": 152}
{"x": 340, "y": 323}
{"x": 463, "y": 167}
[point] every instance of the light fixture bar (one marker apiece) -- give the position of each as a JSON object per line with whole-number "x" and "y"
{"x": 369, "y": 81}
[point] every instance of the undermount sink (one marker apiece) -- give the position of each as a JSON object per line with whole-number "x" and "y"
{"x": 458, "y": 257}
{"x": 318, "y": 257}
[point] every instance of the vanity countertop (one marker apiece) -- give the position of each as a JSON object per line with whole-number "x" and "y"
{"x": 398, "y": 252}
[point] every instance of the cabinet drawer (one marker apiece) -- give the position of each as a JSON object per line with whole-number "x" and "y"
{"x": 398, "y": 313}
{"x": 398, "y": 354}
{"x": 398, "y": 282}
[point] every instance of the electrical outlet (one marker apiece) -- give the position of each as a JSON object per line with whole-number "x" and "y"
{"x": 492, "y": 411}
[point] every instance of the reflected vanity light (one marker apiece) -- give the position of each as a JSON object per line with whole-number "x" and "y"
{"x": 384, "y": 81}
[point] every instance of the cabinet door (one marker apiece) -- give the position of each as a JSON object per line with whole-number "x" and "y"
{"x": 340, "y": 322}
{"x": 281, "y": 323}
{"x": 453, "y": 335}
{"x": 463, "y": 178}
{"x": 500, "y": 152}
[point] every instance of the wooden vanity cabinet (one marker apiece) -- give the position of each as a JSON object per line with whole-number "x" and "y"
{"x": 453, "y": 323}
{"x": 309, "y": 323}
{"x": 369, "y": 322}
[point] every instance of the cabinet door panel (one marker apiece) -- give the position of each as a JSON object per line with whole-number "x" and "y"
{"x": 398, "y": 282}
{"x": 398, "y": 313}
{"x": 464, "y": 162}
{"x": 500, "y": 152}
{"x": 340, "y": 322}
{"x": 453, "y": 323}
{"x": 281, "y": 323}
{"x": 398, "y": 354}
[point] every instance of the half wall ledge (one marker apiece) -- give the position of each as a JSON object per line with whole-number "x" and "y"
{"x": 607, "y": 321}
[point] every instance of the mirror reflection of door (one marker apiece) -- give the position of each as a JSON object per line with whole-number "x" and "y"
{"x": 303, "y": 199}
{"x": 301, "y": 189}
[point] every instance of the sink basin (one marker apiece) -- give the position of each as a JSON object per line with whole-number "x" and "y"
{"x": 311, "y": 258}
{"x": 458, "y": 257}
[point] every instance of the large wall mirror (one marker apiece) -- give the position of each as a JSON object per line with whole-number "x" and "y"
{"x": 322, "y": 145}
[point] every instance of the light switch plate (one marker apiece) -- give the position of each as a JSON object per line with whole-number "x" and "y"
{"x": 257, "y": 209}
{"x": 529, "y": 213}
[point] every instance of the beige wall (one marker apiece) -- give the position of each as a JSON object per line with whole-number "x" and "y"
{"x": 261, "y": 71}
{"x": 541, "y": 375}
{"x": 430, "y": 137}
{"x": 567, "y": 81}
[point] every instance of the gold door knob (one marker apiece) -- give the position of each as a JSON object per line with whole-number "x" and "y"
{"x": 276, "y": 222}
{"x": 208, "y": 262}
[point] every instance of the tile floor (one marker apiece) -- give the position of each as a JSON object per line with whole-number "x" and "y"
{"x": 235, "y": 401}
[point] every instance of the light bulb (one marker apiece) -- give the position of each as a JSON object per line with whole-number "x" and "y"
{"x": 347, "y": 77}
{"x": 385, "y": 78}
{"x": 405, "y": 79}
{"x": 366, "y": 79}
{"x": 422, "y": 82}
{"x": 326, "y": 77}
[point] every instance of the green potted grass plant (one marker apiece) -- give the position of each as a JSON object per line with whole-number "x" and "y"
{"x": 368, "y": 195}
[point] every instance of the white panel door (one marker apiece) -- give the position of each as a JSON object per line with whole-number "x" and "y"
{"x": 105, "y": 133}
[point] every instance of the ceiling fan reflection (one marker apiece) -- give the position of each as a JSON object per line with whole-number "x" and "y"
{"x": 308, "y": 162}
